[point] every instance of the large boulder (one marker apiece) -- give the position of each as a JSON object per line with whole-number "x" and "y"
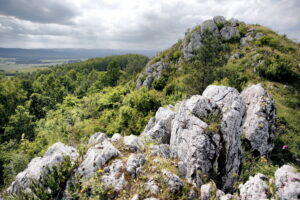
{"x": 192, "y": 43}
{"x": 38, "y": 166}
{"x": 229, "y": 32}
{"x": 96, "y": 157}
{"x": 232, "y": 107}
{"x": 287, "y": 181}
{"x": 258, "y": 125}
{"x": 255, "y": 188}
{"x": 209, "y": 25}
{"x": 159, "y": 127}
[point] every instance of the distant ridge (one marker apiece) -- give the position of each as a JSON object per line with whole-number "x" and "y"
{"x": 30, "y": 56}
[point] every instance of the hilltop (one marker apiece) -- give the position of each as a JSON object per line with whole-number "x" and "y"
{"x": 215, "y": 116}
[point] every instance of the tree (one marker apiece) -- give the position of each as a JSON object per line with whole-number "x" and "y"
{"x": 21, "y": 124}
{"x": 113, "y": 73}
{"x": 211, "y": 55}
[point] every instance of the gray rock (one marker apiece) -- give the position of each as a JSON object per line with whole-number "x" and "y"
{"x": 258, "y": 126}
{"x": 173, "y": 181}
{"x": 96, "y": 157}
{"x": 255, "y": 188}
{"x": 113, "y": 175}
{"x": 193, "y": 195}
{"x": 258, "y": 35}
{"x": 236, "y": 56}
{"x": 232, "y": 106}
{"x": 209, "y": 191}
{"x": 116, "y": 137}
{"x": 219, "y": 20}
{"x": 209, "y": 25}
{"x": 38, "y": 166}
{"x": 151, "y": 198}
{"x": 227, "y": 197}
{"x": 234, "y": 22}
{"x": 97, "y": 138}
{"x": 134, "y": 143}
{"x": 151, "y": 73}
{"x": 287, "y": 181}
{"x": 162, "y": 150}
{"x": 229, "y": 32}
{"x": 159, "y": 128}
{"x": 135, "y": 164}
{"x": 151, "y": 185}
{"x": 193, "y": 44}
{"x": 136, "y": 197}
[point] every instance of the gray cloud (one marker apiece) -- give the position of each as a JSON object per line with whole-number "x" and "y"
{"x": 131, "y": 24}
{"x": 48, "y": 11}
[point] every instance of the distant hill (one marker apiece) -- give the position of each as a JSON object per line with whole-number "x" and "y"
{"x": 34, "y": 56}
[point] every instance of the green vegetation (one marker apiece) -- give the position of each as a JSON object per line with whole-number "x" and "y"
{"x": 69, "y": 103}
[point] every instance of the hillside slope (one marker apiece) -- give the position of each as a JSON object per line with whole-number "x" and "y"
{"x": 243, "y": 132}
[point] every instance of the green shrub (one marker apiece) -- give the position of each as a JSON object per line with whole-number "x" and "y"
{"x": 242, "y": 29}
{"x": 267, "y": 40}
{"x": 276, "y": 68}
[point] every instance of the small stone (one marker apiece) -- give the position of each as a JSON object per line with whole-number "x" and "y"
{"x": 173, "y": 181}
{"x": 135, "y": 164}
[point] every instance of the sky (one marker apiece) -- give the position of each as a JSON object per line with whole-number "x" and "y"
{"x": 130, "y": 24}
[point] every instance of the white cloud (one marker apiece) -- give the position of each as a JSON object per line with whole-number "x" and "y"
{"x": 138, "y": 24}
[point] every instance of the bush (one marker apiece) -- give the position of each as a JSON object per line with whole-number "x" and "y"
{"x": 267, "y": 40}
{"x": 276, "y": 68}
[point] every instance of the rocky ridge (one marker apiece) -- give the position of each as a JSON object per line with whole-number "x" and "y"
{"x": 195, "y": 141}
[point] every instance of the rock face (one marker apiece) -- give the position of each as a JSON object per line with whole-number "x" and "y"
{"x": 219, "y": 26}
{"x": 96, "y": 157}
{"x": 287, "y": 181}
{"x": 135, "y": 164}
{"x": 113, "y": 175}
{"x": 159, "y": 127}
{"x": 55, "y": 155}
{"x": 258, "y": 126}
{"x": 151, "y": 73}
{"x": 255, "y": 188}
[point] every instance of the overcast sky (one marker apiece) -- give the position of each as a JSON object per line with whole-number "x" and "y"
{"x": 130, "y": 24}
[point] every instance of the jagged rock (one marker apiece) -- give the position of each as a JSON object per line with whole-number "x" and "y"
{"x": 209, "y": 191}
{"x": 232, "y": 106}
{"x": 151, "y": 185}
{"x": 97, "y": 138}
{"x": 151, "y": 73}
{"x": 234, "y": 22}
{"x": 151, "y": 198}
{"x": 162, "y": 150}
{"x": 96, "y": 157}
{"x": 229, "y": 32}
{"x": 135, "y": 164}
{"x": 192, "y": 43}
{"x": 219, "y": 20}
{"x": 258, "y": 35}
{"x": 258, "y": 125}
{"x": 209, "y": 25}
{"x": 173, "y": 181}
{"x": 236, "y": 56}
{"x": 255, "y": 188}
{"x": 287, "y": 181}
{"x": 134, "y": 143}
{"x": 38, "y": 166}
{"x": 116, "y": 137}
{"x": 159, "y": 127}
{"x": 199, "y": 106}
{"x": 113, "y": 175}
